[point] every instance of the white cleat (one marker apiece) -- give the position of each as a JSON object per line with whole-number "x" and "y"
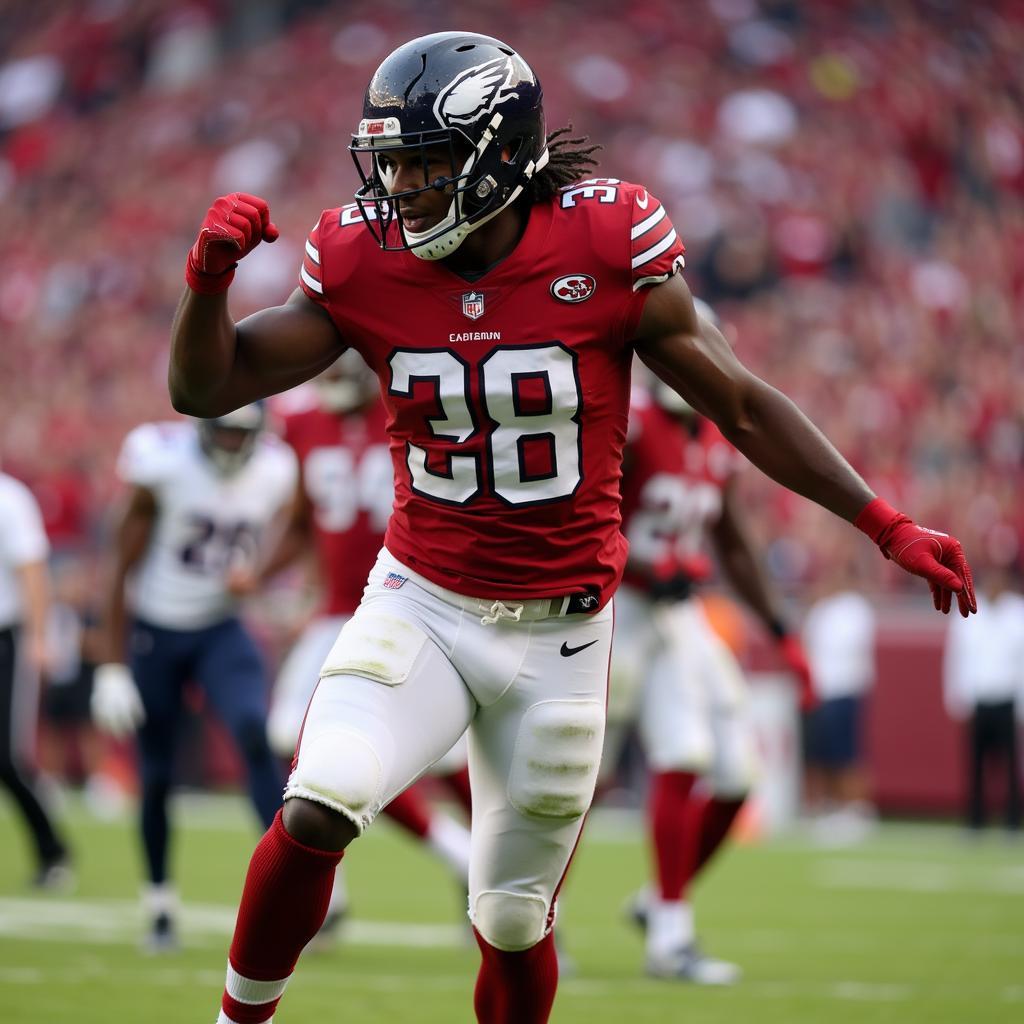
{"x": 690, "y": 964}
{"x": 162, "y": 937}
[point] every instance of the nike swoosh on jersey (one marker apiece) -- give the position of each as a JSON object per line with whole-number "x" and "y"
{"x": 643, "y": 203}
{"x": 567, "y": 652}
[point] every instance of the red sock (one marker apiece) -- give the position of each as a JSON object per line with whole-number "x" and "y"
{"x": 411, "y": 811}
{"x": 458, "y": 783}
{"x": 284, "y": 902}
{"x": 667, "y": 806}
{"x": 516, "y": 988}
{"x": 716, "y": 820}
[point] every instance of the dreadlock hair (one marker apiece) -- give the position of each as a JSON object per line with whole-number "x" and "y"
{"x": 569, "y": 160}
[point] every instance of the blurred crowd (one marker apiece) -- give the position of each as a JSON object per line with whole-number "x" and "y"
{"x": 848, "y": 178}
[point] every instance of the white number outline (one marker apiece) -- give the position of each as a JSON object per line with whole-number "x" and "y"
{"x": 450, "y": 456}
{"x": 576, "y": 418}
{"x": 420, "y": 463}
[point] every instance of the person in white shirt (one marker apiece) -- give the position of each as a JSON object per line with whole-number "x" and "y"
{"x": 24, "y": 600}
{"x": 202, "y": 497}
{"x": 839, "y": 637}
{"x": 983, "y": 686}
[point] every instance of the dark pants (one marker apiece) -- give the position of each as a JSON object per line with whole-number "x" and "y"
{"x": 224, "y": 661}
{"x": 15, "y": 770}
{"x": 992, "y": 736}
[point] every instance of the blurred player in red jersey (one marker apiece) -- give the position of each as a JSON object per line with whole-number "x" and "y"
{"x": 669, "y": 668}
{"x": 499, "y": 299}
{"x": 340, "y": 509}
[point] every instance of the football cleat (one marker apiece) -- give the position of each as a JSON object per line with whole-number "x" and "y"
{"x": 690, "y": 964}
{"x": 162, "y": 936}
{"x": 54, "y": 876}
{"x": 329, "y": 933}
{"x": 636, "y": 909}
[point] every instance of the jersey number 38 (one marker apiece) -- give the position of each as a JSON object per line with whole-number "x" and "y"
{"x": 531, "y": 405}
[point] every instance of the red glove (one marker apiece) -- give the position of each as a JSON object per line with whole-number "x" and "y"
{"x": 233, "y": 227}
{"x": 936, "y": 557}
{"x": 792, "y": 653}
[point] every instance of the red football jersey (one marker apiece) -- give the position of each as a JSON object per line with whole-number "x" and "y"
{"x": 673, "y": 485}
{"x": 347, "y": 475}
{"x": 507, "y": 396}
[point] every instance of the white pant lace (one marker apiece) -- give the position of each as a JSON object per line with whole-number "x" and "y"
{"x": 500, "y": 610}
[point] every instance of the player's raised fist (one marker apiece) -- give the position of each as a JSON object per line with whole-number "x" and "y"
{"x": 936, "y": 557}
{"x": 234, "y": 225}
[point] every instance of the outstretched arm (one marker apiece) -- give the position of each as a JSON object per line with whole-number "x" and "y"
{"x": 691, "y": 356}
{"x": 217, "y": 365}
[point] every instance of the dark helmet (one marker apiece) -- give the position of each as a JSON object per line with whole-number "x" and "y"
{"x": 228, "y": 441}
{"x": 465, "y": 91}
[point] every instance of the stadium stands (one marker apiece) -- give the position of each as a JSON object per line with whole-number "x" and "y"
{"x": 848, "y": 179}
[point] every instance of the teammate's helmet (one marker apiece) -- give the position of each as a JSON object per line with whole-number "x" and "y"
{"x": 347, "y": 384}
{"x": 476, "y": 96}
{"x": 228, "y": 441}
{"x": 669, "y": 399}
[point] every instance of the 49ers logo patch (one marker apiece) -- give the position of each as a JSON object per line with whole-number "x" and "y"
{"x": 573, "y": 288}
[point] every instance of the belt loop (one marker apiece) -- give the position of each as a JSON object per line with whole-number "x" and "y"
{"x": 565, "y": 604}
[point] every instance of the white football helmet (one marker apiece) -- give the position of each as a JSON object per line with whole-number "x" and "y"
{"x": 229, "y": 440}
{"x": 669, "y": 399}
{"x": 347, "y": 385}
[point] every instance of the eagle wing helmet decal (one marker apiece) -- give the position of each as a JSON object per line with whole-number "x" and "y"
{"x": 477, "y": 91}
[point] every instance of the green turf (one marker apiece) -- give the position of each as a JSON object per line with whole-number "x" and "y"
{"x": 916, "y": 925}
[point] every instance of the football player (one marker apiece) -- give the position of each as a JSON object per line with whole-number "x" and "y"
{"x": 201, "y": 497}
{"x": 24, "y": 657}
{"x": 672, "y": 672}
{"x": 340, "y": 508}
{"x": 500, "y": 299}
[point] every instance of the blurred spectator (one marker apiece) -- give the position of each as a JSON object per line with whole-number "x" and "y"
{"x": 839, "y": 637}
{"x": 24, "y": 601}
{"x": 983, "y": 686}
{"x": 849, "y": 182}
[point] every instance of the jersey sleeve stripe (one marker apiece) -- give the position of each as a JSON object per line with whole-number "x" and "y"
{"x": 677, "y": 265}
{"x": 313, "y": 251}
{"x": 655, "y": 250}
{"x": 647, "y": 223}
{"x": 310, "y": 282}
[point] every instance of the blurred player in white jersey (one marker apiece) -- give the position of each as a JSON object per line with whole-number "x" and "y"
{"x": 672, "y": 671}
{"x": 24, "y": 598}
{"x": 340, "y": 509}
{"x": 201, "y": 497}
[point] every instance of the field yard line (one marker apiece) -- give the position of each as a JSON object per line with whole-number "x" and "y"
{"x": 331, "y": 977}
{"x": 917, "y": 876}
{"x": 873, "y": 992}
{"x": 121, "y": 921}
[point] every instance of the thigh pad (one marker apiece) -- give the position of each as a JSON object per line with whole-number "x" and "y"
{"x": 556, "y": 758}
{"x": 376, "y": 646}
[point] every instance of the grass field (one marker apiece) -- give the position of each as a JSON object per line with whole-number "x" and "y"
{"x": 917, "y": 925}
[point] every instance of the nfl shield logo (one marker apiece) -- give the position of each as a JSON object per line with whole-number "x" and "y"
{"x": 393, "y": 581}
{"x": 473, "y": 305}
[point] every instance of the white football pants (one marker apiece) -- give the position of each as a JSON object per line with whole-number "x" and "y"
{"x": 411, "y": 670}
{"x": 676, "y": 677}
{"x": 296, "y": 681}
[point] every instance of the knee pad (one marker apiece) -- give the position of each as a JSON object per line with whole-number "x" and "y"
{"x": 510, "y": 921}
{"x": 339, "y": 769}
{"x": 556, "y": 758}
